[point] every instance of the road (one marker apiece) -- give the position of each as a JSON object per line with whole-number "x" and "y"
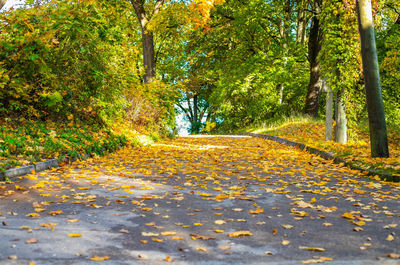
{"x": 201, "y": 200}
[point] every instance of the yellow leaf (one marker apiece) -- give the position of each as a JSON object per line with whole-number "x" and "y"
{"x": 56, "y": 212}
{"x": 75, "y": 235}
{"x": 285, "y": 242}
{"x": 359, "y": 191}
{"x": 312, "y": 249}
{"x": 97, "y": 258}
{"x": 72, "y": 220}
{"x": 313, "y": 200}
{"x": 319, "y": 260}
{"x": 390, "y": 237}
{"x": 219, "y": 222}
{"x": 256, "y": 211}
{"x": 150, "y": 234}
{"x": 360, "y": 223}
{"x": 219, "y": 231}
{"x": 157, "y": 239}
{"x": 348, "y": 215}
{"x": 201, "y": 249}
{"x": 198, "y": 224}
{"x": 147, "y": 209}
{"x": 168, "y": 233}
{"x": 33, "y": 215}
{"x": 48, "y": 225}
{"x": 31, "y": 241}
{"x": 240, "y": 233}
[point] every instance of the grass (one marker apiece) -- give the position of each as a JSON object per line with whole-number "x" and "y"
{"x": 311, "y": 132}
{"x": 26, "y": 142}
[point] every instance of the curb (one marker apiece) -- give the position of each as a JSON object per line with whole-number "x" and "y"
{"x": 21, "y": 171}
{"x": 324, "y": 155}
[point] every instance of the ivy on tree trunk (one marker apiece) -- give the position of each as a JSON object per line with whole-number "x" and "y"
{"x": 376, "y": 112}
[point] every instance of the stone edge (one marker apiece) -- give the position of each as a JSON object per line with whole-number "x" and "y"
{"x": 21, "y": 171}
{"x": 323, "y": 154}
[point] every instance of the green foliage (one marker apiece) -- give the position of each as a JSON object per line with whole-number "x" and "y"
{"x": 24, "y": 142}
{"x": 241, "y": 53}
{"x": 388, "y": 38}
{"x": 79, "y": 60}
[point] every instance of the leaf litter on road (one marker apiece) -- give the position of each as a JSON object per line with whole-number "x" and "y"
{"x": 241, "y": 172}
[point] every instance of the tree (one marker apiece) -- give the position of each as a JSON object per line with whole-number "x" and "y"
{"x": 145, "y": 17}
{"x": 314, "y": 47}
{"x": 376, "y": 112}
{"x": 2, "y": 3}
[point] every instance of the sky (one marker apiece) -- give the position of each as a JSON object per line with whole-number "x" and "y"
{"x": 12, "y": 3}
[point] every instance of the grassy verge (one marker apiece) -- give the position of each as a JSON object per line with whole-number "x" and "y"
{"x": 26, "y": 142}
{"x": 311, "y": 132}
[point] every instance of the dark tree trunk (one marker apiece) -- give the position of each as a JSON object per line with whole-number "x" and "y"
{"x": 149, "y": 61}
{"x": 376, "y": 112}
{"x": 314, "y": 47}
{"x": 148, "y": 56}
{"x": 195, "y": 108}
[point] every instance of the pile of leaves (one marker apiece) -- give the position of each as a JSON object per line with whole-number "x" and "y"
{"x": 357, "y": 150}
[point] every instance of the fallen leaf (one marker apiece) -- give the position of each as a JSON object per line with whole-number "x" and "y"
{"x": 256, "y": 211}
{"x": 124, "y": 231}
{"x": 31, "y": 241}
{"x": 168, "y": 233}
{"x": 219, "y": 222}
{"x": 168, "y": 259}
{"x": 75, "y": 235}
{"x": 240, "y": 233}
{"x": 348, "y": 215}
{"x": 55, "y": 212}
{"x": 317, "y": 260}
{"x": 390, "y": 237}
{"x": 393, "y": 256}
{"x": 285, "y": 242}
{"x": 33, "y": 215}
{"x": 287, "y": 226}
{"x": 97, "y": 258}
{"x": 201, "y": 249}
{"x": 48, "y": 225}
{"x": 150, "y": 234}
{"x": 224, "y": 247}
{"x": 312, "y": 249}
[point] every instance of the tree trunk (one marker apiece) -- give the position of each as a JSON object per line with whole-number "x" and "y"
{"x": 376, "y": 112}
{"x": 2, "y": 3}
{"x": 195, "y": 108}
{"x": 148, "y": 56}
{"x": 314, "y": 47}
{"x": 340, "y": 117}
{"x": 301, "y": 21}
{"x": 284, "y": 34}
{"x": 149, "y": 61}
